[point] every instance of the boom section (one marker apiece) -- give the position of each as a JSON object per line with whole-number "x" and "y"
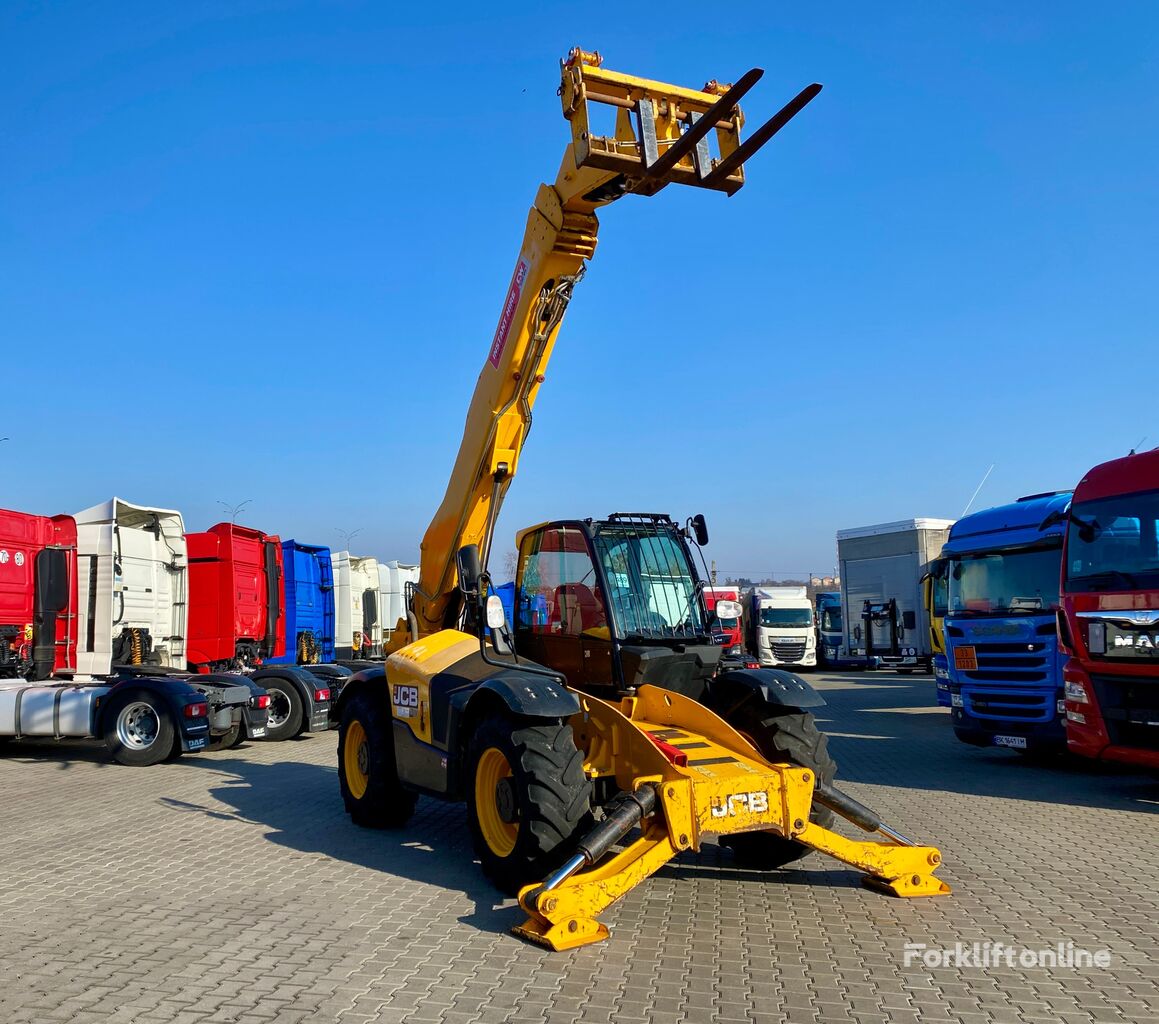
{"x": 663, "y": 134}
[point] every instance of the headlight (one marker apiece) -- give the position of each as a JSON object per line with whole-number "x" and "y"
{"x": 956, "y": 700}
{"x": 1060, "y": 707}
{"x": 1077, "y": 717}
{"x": 941, "y": 672}
{"x": 1075, "y": 691}
{"x": 736, "y": 649}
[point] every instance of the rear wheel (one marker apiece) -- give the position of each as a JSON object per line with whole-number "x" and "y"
{"x": 781, "y": 734}
{"x": 528, "y": 799}
{"x": 367, "y": 774}
{"x": 228, "y": 740}
{"x": 285, "y": 709}
{"x": 138, "y": 729}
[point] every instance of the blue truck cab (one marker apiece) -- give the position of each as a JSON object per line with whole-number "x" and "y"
{"x": 309, "y": 603}
{"x": 830, "y": 629}
{"x": 1004, "y": 670}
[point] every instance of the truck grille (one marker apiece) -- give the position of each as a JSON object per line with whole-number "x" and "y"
{"x": 1128, "y": 705}
{"x": 1010, "y": 663}
{"x": 788, "y": 650}
{"x": 1007, "y": 705}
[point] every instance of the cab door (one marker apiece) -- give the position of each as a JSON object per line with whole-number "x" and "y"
{"x": 560, "y": 617}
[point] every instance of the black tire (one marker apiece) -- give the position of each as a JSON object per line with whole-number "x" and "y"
{"x": 545, "y": 802}
{"x": 286, "y": 712}
{"x": 371, "y": 790}
{"x": 781, "y": 734}
{"x": 227, "y": 741}
{"x": 138, "y": 729}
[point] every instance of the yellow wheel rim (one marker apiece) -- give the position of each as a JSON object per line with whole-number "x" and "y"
{"x": 356, "y": 760}
{"x": 499, "y": 835}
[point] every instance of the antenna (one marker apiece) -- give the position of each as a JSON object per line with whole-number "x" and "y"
{"x": 1138, "y": 445}
{"x": 976, "y": 490}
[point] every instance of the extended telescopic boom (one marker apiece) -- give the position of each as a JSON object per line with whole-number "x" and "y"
{"x": 663, "y": 135}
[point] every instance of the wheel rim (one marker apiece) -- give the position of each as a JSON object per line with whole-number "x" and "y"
{"x": 356, "y": 760}
{"x": 138, "y": 726}
{"x": 279, "y": 709}
{"x": 493, "y": 772}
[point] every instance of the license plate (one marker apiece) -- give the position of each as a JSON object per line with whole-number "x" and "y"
{"x": 966, "y": 659}
{"x": 197, "y": 744}
{"x": 1017, "y": 742}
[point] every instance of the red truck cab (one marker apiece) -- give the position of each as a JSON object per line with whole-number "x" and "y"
{"x": 38, "y": 595}
{"x": 236, "y": 605}
{"x": 731, "y": 628}
{"x": 1109, "y": 617}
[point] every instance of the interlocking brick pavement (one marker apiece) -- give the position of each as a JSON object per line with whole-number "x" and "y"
{"x": 231, "y": 888}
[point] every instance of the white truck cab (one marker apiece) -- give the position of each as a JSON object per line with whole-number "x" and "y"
{"x": 779, "y": 627}
{"x": 358, "y": 622}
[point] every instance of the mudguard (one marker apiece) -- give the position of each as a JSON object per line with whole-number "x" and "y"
{"x": 774, "y": 686}
{"x": 175, "y": 693}
{"x": 315, "y": 716}
{"x": 526, "y": 693}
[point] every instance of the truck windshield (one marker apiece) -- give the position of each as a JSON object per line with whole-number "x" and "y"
{"x": 1112, "y": 544}
{"x": 652, "y": 589}
{"x": 831, "y": 620}
{"x": 1005, "y": 583}
{"x": 782, "y": 618}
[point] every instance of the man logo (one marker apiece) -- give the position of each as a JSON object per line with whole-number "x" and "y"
{"x": 754, "y": 803}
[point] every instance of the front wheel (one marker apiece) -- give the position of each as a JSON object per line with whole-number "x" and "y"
{"x": 138, "y": 729}
{"x": 528, "y": 799}
{"x": 781, "y": 735}
{"x": 367, "y": 774}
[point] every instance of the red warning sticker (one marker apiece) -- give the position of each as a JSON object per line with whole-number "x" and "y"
{"x": 507, "y": 317}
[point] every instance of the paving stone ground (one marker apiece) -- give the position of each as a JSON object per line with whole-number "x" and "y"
{"x": 231, "y": 888}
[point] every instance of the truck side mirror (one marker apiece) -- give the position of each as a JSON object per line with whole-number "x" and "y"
{"x": 909, "y": 620}
{"x": 470, "y": 569}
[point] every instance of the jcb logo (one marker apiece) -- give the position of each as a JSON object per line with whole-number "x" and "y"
{"x": 754, "y": 803}
{"x": 406, "y": 696}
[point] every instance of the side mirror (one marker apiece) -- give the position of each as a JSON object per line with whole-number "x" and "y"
{"x": 700, "y": 530}
{"x": 469, "y": 568}
{"x": 1057, "y": 516}
{"x": 909, "y": 620}
{"x": 496, "y": 616}
{"x": 857, "y": 633}
{"x": 728, "y": 609}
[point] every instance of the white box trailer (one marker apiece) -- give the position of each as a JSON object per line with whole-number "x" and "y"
{"x": 132, "y": 587}
{"x": 393, "y": 577}
{"x": 358, "y": 625}
{"x": 881, "y": 594}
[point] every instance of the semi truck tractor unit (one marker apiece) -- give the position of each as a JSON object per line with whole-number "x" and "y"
{"x": 309, "y": 611}
{"x": 51, "y": 621}
{"x": 393, "y": 579}
{"x": 1004, "y": 667}
{"x": 728, "y": 629}
{"x": 881, "y": 571}
{"x": 236, "y": 607}
{"x": 830, "y": 630}
{"x": 935, "y": 597}
{"x": 357, "y": 584}
{"x": 780, "y": 626}
{"x": 1109, "y": 623}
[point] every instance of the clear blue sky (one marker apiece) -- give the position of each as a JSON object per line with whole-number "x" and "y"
{"x": 257, "y": 250}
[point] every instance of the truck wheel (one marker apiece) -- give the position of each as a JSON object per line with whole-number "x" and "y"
{"x": 528, "y": 799}
{"x": 285, "y": 710}
{"x": 367, "y": 774}
{"x": 781, "y": 735}
{"x": 138, "y": 729}
{"x": 228, "y": 740}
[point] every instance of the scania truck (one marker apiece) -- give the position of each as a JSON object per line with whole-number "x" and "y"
{"x": 1005, "y": 669}
{"x": 779, "y": 627}
{"x": 1109, "y": 622}
{"x": 829, "y": 628}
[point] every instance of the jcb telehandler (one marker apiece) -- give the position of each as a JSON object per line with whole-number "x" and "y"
{"x": 600, "y": 713}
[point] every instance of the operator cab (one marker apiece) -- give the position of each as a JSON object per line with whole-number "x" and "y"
{"x": 615, "y": 603}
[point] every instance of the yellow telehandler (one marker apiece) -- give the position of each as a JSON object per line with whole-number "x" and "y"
{"x": 593, "y": 739}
